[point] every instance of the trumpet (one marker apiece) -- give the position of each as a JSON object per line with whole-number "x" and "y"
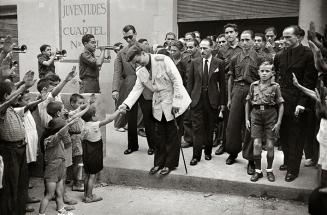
{"x": 114, "y": 48}
{"x": 17, "y": 49}
{"x": 60, "y": 54}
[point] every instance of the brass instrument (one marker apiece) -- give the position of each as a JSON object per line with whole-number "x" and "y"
{"x": 114, "y": 48}
{"x": 17, "y": 49}
{"x": 60, "y": 54}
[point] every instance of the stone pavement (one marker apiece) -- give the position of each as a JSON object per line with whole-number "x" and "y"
{"x": 207, "y": 176}
{"x": 124, "y": 200}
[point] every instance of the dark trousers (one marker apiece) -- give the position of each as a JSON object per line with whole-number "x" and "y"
{"x": 13, "y": 195}
{"x": 292, "y": 140}
{"x": 235, "y": 131}
{"x": 132, "y": 128}
{"x": 146, "y": 107}
{"x": 204, "y": 118}
{"x": 168, "y": 143}
{"x": 221, "y": 129}
{"x": 89, "y": 85}
{"x": 187, "y": 124}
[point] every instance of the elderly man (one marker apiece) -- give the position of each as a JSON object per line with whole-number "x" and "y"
{"x": 170, "y": 99}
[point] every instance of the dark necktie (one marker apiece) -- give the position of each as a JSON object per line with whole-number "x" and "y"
{"x": 205, "y": 77}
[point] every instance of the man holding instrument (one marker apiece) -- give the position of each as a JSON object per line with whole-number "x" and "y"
{"x": 89, "y": 65}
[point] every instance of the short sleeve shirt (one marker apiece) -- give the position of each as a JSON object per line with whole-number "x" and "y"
{"x": 91, "y": 131}
{"x": 54, "y": 147}
{"x": 88, "y": 65}
{"x": 244, "y": 67}
{"x": 43, "y": 69}
{"x": 12, "y": 126}
{"x": 265, "y": 95}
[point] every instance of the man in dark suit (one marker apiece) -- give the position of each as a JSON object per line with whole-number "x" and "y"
{"x": 126, "y": 70}
{"x": 295, "y": 59}
{"x": 206, "y": 85}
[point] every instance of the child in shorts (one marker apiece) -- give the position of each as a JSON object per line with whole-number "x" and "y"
{"x": 54, "y": 156}
{"x": 264, "y": 95}
{"x": 93, "y": 150}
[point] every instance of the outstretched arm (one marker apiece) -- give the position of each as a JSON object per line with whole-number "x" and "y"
{"x": 60, "y": 86}
{"x": 305, "y": 90}
{"x": 112, "y": 117}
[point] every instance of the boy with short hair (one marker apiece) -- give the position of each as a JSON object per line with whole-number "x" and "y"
{"x": 46, "y": 61}
{"x": 76, "y": 100}
{"x": 263, "y": 96}
{"x": 56, "y": 136}
{"x": 93, "y": 149}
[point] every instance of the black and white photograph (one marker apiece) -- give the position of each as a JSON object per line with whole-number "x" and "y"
{"x": 163, "y": 107}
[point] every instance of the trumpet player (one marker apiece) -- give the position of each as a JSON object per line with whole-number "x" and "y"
{"x": 89, "y": 65}
{"x": 46, "y": 61}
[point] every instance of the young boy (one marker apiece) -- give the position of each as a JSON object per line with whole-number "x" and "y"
{"x": 46, "y": 61}
{"x": 92, "y": 149}
{"x": 56, "y": 136}
{"x": 263, "y": 96}
{"x": 76, "y": 100}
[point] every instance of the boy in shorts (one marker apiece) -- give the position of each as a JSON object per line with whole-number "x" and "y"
{"x": 264, "y": 95}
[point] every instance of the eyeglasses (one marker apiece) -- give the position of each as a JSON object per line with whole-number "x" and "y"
{"x": 128, "y": 37}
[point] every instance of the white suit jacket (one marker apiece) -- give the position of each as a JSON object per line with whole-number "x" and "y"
{"x": 167, "y": 85}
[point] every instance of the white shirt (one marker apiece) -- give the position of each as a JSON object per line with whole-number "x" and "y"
{"x": 91, "y": 131}
{"x": 204, "y": 62}
{"x": 44, "y": 116}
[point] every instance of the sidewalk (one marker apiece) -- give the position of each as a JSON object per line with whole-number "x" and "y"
{"x": 208, "y": 176}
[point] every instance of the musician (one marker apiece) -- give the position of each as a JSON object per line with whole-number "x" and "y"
{"x": 89, "y": 65}
{"x": 46, "y": 61}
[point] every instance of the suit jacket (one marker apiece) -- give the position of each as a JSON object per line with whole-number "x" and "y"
{"x": 216, "y": 82}
{"x": 167, "y": 85}
{"x": 301, "y": 63}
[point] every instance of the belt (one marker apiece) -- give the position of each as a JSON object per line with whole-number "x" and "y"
{"x": 74, "y": 132}
{"x": 241, "y": 83}
{"x": 12, "y": 144}
{"x": 204, "y": 88}
{"x": 263, "y": 107}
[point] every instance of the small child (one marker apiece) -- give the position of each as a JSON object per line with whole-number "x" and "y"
{"x": 76, "y": 100}
{"x": 55, "y": 137}
{"x": 93, "y": 150}
{"x": 263, "y": 96}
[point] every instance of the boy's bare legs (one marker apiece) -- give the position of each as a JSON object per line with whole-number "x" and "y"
{"x": 257, "y": 150}
{"x": 59, "y": 194}
{"x": 88, "y": 186}
{"x": 270, "y": 159}
{"x": 50, "y": 188}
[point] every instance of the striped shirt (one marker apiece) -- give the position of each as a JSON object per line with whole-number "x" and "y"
{"x": 12, "y": 126}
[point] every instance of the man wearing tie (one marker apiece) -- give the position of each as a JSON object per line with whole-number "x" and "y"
{"x": 206, "y": 85}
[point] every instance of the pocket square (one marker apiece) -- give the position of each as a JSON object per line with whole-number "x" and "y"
{"x": 217, "y": 70}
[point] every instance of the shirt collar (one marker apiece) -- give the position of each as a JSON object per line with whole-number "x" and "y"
{"x": 209, "y": 60}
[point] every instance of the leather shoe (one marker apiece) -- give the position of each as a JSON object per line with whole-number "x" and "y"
{"x": 29, "y": 209}
{"x": 230, "y": 160}
{"x": 165, "y": 171}
{"x": 290, "y": 177}
{"x": 194, "y": 162}
{"x": 207, "y": 157}
{"x": 255, "y": 177}
{"x": 271, "y": 176}
{"x": 129, "y": 151}
{"x": 250, "y": 169}
{"x": 220, "y": 150}
{"x": 154, "y": 169}
{"x": 150, "y": 151}
{"x": 283, "y": 167}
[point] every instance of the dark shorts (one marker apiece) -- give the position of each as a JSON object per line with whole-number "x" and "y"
{"x": 89, "y": 85}
{"x": 262, "y": 123}
{"x": 55, "y": 170}
{"x": 92, "y": 156}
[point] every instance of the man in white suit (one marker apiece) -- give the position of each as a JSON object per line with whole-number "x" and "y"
{"x": 170, "y": 99}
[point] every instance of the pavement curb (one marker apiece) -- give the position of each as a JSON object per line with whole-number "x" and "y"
{"x": 132, "y": 177}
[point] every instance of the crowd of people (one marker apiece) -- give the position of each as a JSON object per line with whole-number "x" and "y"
{"x": 239, "y": 91}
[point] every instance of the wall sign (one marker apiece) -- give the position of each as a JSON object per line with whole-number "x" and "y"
{"x": 79, "y": 17}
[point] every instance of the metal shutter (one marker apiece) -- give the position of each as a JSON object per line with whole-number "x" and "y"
{"x": 210, "y": 10}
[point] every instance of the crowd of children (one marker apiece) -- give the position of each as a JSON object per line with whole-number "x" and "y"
{"x": 68, "y": 139}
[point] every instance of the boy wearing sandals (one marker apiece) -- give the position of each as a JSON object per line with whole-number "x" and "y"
{"x": 264, "y": 95}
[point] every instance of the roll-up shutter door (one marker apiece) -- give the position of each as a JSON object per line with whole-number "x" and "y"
{"x": 211, "y": 10}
